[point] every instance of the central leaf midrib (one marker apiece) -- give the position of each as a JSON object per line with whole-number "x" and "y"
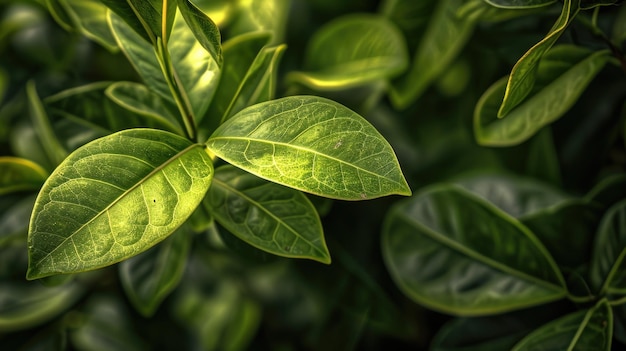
{"x": 239, "y": 193}
{"x": 247, "y": 139}
{"x": 121, "y": 196}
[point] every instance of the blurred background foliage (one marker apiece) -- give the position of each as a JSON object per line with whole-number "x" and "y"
{"x": 230, "y": 296}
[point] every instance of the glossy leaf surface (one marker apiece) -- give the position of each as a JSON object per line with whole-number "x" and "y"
{"x": 522, "y": 76}
{"x": 150, "y": 276}
{"x": 18, "y": 174}
{"x": 114, "y": 198}
{"x": 266, "y": 215}
{"x": 311, "y": 144}
{"x": 206, "y": 32}
{"x": 353, "y": 50}
{"x": 607, "y": 265}
{"x": 565, "y": 74}
{"x": 261, "y": 15}
{"x": 582, "y": 330}
{"x": 449, "y": 250}
{"x": 445, "y": 35}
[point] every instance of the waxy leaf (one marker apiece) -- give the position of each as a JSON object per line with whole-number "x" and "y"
{"x": 17, "y": 174}
{"x": 206, "y": 32}
{"x": 311, "y": 144}
{"x": 445, "y": 35}
{"x": 150, "y": 276}
{"x": 452, "y": 251}
{"x": 608, "y": 275}
{"x": 522, "y": 76}
{"x": 582, "y": 330}
{"x": 138, "y": 99}
{"x": 90, "y": 17}
{"x": 564, "y": 74}
{"x": 266, "y": 215}
{"x": 520, "y": 4}
{"x": 351, "y": 51}
{"x": 114, "y": 198}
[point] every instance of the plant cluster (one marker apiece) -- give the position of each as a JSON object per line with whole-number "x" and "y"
{"x": 179, "y": 173}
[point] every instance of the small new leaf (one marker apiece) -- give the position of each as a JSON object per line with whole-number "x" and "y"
{"x": 311, "y": 144}
{"x": 114, "y": 198}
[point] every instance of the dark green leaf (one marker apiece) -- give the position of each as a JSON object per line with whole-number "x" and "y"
{"x": 565, "y": 74}
{"x": 125, "y": 11}
{"x": 311, "y": 144}
{"x": 492, "y": 333}
{"x": 53, "y": 149}
{"x": 582, "y": 330}
{"x": 17, "y": 174}
{"x": 452, "y": 251}
{"x": 150, "y": 276}
{"x": 589, "y": 4}
{"x": 520, "y": 4}
{"x": 608, "y": 274}
{"x": 444, "y": 37}
{"x": 353, "y": 50}
{"x": 266, "y": 215}
{"x": 15, "y": 212}
{"x": 114, "y": 198}
{"x": 522, "y": 76}
{"x": 609, "y": 191}
{"x": 27, "y": 304}
{"x": 203, "y": 28}
{"x": 90, "y": 17}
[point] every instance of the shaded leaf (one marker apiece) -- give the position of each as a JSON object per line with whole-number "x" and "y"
{"x": 589, "y": 4}
{"x": 90, "y": 17}
{"x": 266, "y": 215}
{"x": 564, "y": 74}
{"x": 17, "y": 174}
{"x": 24, "y": 305}
{"x": 311, "y": 144}
{"x": 608, "y": 191}
{"x": 444, "y": 37}
{"x": 582, "y": 330}
{"x": 607, "y": 264}
{"x": 150, "y": 276}
{"x": 14, "y": 215}
{"x": 125, "y": 11}
{"x": 114, "y": 198}
{"x": 522, "y": 77}
{"x": 206, "y": 32}
{"x": 352, "y": 50}
{"x": 41, "y": 123}
{"x": 492, "y": 333}
{"x": 520, "y": 4}
{"x": 451, "y": 251}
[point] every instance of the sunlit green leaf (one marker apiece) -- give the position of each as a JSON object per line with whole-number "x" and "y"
{"x": 219, "y": 11}
{"x": 561, "y": 78}
{"x": 27, "y": 304}
{"x": 15, "y": 212}
{"x": 18, "y": 174}
{"x": 266, "y": 215}
{"x": 353, "y": 50}
{"x": 607, "y": 264}
{"x": 261, "y": 15}
{"x": 53, "y": 149}
{"x": 451, "y": 251}
{"x": 311, "y": 144}
{"x": 203, "y": 28}
{"x": 522, "y": 77}
{"x": 114, "y": 198}
{"x": 90, "y": 16}
{"x": 239, "y": 54}
{"x": 140, "y": 100}
{"x": 150, "y": 276}
{"x": 582, "y": 330}
{"x": 444, "y": 37}
{"x": 520, "y": 4}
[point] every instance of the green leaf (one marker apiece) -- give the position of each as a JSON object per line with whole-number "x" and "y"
{"x": 17, "y": 174}
{"x": 353, "y": 50}
{"x": 451, "y": 251}
{"x": 522, "y": 76}
{"x": 491, "y": 333}
{"x": 206, "y": 32}
{"x": 239, "y": 54}
{"x": 128, "y": 12}
{"x": 150, "y": 276}
{"x": 311, "y": 144}
{"x": 138, "y": 99}
{"x": 618, "y": 33}
{"x": 582, "y": 330}
{"x": 520, "y": 4}
{"x": 445, "y": 35}
{"x": 273, "y": 218}
{"x": 114, "y": 198}
{"x": 15, "y": 212}
{"x": 543, "y": 161}
{"x": 90, "y": 17}
{"x": 53, "y": 149}
{"x": 609, "y": 191}
{"x": 24, "y": 305}
{"x": 607, "y": 264}
{"x": 564, "y": 75}
{"x": 261, "y": 15}
{"x": 589, "y": 4}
